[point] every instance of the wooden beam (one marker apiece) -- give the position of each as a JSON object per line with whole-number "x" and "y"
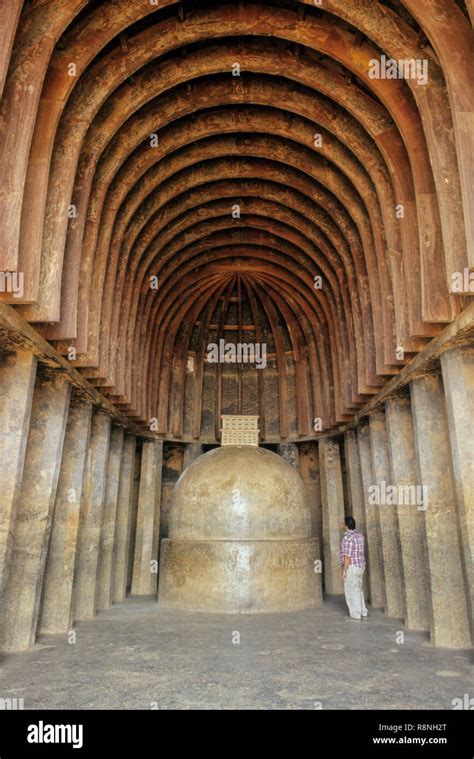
{"x": 283, "y": 393}
{"x": 15, "y": 334}
{"x": 218, "y": 388}
{"x": 261, "y": 396}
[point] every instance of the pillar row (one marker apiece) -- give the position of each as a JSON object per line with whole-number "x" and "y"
{"x": 449, "y": 623}
{"x": 309, "y": 471}
{"x": 35, "y": 508}
{"x": 356, "y": 490}
{"x": 332, "y": 499}
{"x": 123, "y": 520}
{"x": 410, "y": 511}
{"x": 372, "y": 523}
{"x": 192, "y": 451}
{"x": 458, "y": 377}
{"x": 17, "y": 378}
{"x": 145, "y": 565}
{"x": 107, "y": 532}
{"x": 290, "y": 453}
{"x": 92, "y": 507}
{"x": 56, "y": 602}
{"x": 393, "y": 572}
{"x": 137, "y": 465}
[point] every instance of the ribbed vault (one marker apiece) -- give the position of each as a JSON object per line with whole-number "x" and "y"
{"x": 176, "y": 174}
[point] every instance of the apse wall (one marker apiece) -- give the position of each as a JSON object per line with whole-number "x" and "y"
{"x": 172, "y": 176}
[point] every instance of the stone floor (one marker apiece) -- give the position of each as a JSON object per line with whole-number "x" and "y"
{"x": 136, "y": 656}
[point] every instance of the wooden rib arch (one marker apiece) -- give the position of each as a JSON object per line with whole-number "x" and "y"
{"x": 83, "y": 141}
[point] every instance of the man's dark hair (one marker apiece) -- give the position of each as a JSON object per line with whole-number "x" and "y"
{"x": 350, "y": 523}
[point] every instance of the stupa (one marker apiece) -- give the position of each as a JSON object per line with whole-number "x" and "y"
{"x": 240, "y": 536}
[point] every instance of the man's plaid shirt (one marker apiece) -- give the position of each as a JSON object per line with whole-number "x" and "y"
{"x": 353, "y": 546}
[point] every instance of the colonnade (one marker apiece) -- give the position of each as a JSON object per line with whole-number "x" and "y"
{"x": 410, "y": 485}
{"x": 69, "y": 510}
{"x": 81, "y": 497}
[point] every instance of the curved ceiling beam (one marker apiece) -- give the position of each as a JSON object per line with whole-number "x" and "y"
{"x": 391, "y": 91}
{"x": 374, "y": 207}
{"x": 99, "y": 285}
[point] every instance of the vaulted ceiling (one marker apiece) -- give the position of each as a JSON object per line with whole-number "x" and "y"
{"x": 176, "y": 173}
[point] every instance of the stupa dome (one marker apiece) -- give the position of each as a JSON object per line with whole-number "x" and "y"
{"x": 239, "y": 493}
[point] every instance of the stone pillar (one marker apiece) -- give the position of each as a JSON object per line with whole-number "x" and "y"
{"x": 411, "y": 519}
{"x": 145, "y": 574}
{"x": 449, "y": 623}
{"x": 372, "y": 524}
{"x": 332, "y": 499}
{"x": 56, "y": 607}
{"x": 107, "y": 532}
{"x": 157, "y": 522}
{"x": 192, "y": 451}
{"x": 355, "y": 490}
{"x": 173, "y": 467}
{"x": 122, "y": 524}
{"x": 309, "y": 470}
{"x": 458, "y": 376}
{"x": 90, "y": 520}
{"x": 137, "y": 465}
{"x": 392, "y": 563}
{"x": 17, "y": 378}
{"x": 289, "y": 452}
{"x": 32, "y": 526}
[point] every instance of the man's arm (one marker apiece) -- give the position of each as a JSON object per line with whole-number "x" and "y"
{"x": 347, "y": 561}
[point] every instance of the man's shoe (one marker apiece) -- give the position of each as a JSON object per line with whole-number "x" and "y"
{"x": 352, "y": 619}
{"x": 366, "y": 616}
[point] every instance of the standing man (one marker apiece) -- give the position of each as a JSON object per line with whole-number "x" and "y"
{"x": 353, "y": 564}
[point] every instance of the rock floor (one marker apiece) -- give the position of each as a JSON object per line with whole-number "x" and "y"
{"x": 138, "y": 656}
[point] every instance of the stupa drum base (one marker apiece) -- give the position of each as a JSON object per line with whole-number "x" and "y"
{"x": 240, "y": 576}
